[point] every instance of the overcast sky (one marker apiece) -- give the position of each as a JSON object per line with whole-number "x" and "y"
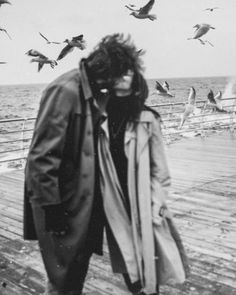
{"x": 168, "y": 52}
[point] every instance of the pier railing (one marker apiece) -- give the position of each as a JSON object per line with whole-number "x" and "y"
{"x": 16, "y": 134}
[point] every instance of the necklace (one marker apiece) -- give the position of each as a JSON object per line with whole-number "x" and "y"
{"x": 115, "y": 131}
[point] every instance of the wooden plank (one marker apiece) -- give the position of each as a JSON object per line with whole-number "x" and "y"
{"x": 202, "y": 199}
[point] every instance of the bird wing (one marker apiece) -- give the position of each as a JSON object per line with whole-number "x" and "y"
{"x": 145, "y": 9}
{"x": 33, "y": 52}
{"x": 192, "y": 96}
{"x": 2, "y": 62}
{"x": 40, "y": 65}
{"x": 140, "y": 52}
{"x": 132, "y": 9}
{"x": 202, "y": 30}
{"x": 78, "y": 38}
{"x": 5, "y": 2}
{"x": 65, "y": 51}
{"x": 159, "y": 87}
{"x": 44, "y": 37}
{"x": 218, "y": 95}
{"x": 165, "y": 85}
{"x": 218, "y": 100}
{"x": 5, "y": 31}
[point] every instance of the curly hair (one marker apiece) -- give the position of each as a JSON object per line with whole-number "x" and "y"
{"x": 113, "y": 57}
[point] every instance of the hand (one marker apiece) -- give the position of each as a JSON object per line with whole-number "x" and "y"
{"x": 56, "y": 220}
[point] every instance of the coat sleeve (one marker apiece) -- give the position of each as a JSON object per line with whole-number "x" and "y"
{"x": 159, "y": 171}
{"x": 46, "y": 150}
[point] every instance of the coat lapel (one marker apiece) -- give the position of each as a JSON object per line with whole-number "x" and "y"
{"x": 142, "y": 134}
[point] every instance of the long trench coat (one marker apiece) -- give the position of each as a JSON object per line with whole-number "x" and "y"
{"x": 132, "y": 242}
{"x": 60, "y": 169}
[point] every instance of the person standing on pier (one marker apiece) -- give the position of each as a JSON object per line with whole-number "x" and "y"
{"x": 143, "y": 241}
{"x": 63, "y": 207}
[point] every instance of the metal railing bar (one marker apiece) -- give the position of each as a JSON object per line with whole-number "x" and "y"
{"x": 189, "y": 130}
{"x": 184, "y": 102}
{"x": 15, "y": 131}
{"x": 15, "y": 150}
{"x": 16, "y": 140}
{"x": 13, "y": 159}
{"x": 17, "y": 120}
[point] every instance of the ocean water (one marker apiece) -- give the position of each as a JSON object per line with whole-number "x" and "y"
{"x": 22, "y": 101}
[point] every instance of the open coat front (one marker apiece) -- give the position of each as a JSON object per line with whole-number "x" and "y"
{"x": 60, "y": 170}
{"x": 148, "y": 181}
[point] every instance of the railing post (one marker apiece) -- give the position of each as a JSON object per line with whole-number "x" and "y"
{"x": 23, "y": 137}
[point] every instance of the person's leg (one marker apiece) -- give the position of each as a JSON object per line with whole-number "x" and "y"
{"x": 77, "y": 274}
{"x": 75, "y": 277}
{"x": 136, "y": 287}
{"x": 51, "y": 289}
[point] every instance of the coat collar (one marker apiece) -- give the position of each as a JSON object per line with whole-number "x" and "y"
{"x": 85, "y": 82}
{"x": 141, "y": 132}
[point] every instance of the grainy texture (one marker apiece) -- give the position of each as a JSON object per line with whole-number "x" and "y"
{"x": 202, "y": 198}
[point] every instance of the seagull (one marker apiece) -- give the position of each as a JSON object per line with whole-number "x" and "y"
{"x": 163, "y": 89}
{"x": 211, "y": 8}
{"x": 4, "y": 2}
{"x": 201, "y": 30}
{"x": 41, "y": 59}
{"x": 212, "y": 102}
{"x": 77, "y": 41}
{"x": 143, "y": 12}
{"x": 48, "y": 42}
{"x": 189, "y": 107}
{"x": 5, "y": 31}
{"x": 3, "y": 62}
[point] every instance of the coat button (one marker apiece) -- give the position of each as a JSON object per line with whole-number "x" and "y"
{"x": 87, "y": 153}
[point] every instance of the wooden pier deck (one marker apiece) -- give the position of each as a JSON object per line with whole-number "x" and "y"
{"x": 203, "y": 199}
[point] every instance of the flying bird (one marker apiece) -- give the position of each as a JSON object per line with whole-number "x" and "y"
{"x": 212, "y": 102}
{"x": 3, "y": 62}
{"x": 189, "y": 107}
{"x": 143, "y": 12}
{"x": 140, "y": 52}
{"x": 77, "y": 41}
{"x": 211, "y": 8}
{"x": 4, "y": 2}
{"x": 163, "y": 89}
{"x": 5, "y": 31}
{"x": 41, "y": 59}
{"x": 201, "y": 29}
{"x": 48, "y": 42}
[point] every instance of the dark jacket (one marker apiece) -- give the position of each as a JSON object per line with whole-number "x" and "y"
{"x": 60, "y": 170}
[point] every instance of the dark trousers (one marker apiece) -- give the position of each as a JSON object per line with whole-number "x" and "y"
{"x": 75, "y": 277}
{"x": 136, "y": 287}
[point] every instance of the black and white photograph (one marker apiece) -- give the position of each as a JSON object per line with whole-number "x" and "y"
{"x": 118, "y": 147}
